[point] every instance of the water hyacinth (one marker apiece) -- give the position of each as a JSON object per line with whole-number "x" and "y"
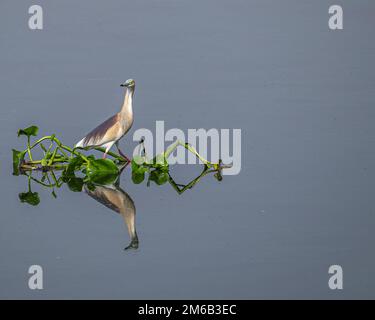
{"x": 62, "y": 164}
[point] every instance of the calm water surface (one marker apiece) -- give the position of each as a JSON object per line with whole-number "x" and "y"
{"x": 303, "y": 96}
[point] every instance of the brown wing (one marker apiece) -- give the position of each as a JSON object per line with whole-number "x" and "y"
{"x": 100, "y": 135}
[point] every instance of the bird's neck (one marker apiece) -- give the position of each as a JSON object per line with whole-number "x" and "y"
{"x": 127, "y": 107}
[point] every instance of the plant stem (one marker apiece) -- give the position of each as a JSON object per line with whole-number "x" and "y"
{"x": 192, "y": 183}
{"x": 42, "y": 183}
{"x": 28, "y": 148}
{"x": 58, "y": 142}
{"x": 112, "y": 154}
{"x": 53, "y": 156}
{"x": 29, "y": 182}
{"x": 189, "y": 147}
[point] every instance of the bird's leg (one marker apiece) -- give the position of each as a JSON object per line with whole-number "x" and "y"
{"x": 121, "y": 154}
{"x": 108, "y": 146}
{"x": 124, "y": 156}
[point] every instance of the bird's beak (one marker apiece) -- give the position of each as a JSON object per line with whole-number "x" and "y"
{"x": 123, "y": 85}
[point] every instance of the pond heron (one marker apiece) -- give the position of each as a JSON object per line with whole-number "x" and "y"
{"x": 113, "y": 129}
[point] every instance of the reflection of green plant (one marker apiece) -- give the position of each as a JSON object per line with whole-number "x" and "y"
{"x": 50, "y": 180}
{"x": 29, "y": 196}
{"x": 181, "y": 188}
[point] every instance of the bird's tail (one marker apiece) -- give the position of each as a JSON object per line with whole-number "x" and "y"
{"x": 80, "y": 144}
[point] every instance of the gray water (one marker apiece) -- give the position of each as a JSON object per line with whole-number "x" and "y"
{"x": 302, "y": 94}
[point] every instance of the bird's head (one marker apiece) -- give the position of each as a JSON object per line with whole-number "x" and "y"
{"x": 130, "y": 83}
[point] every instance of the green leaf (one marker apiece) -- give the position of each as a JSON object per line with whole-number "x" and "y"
{"x": 30, "y": 198}
{"x": 138, "y": 161}
{"x": 30, "y": 131}
{"x": 54, "y": 194}
{"x": 44, "y": 177}
{"x": 90, "y": 186}
{"x": 161, "y": 162}
{"x": 138, "y": 176}
{"x": 18, "y": 157}
{"x": 101, "y": 166}
{"x": 91, "y": 157}
{"x": 74, "y": 165}
{"x": 138, "y": 172}
{"x": 102, "y": 171}
{"x": 218, "y": 176}
{"x": 159, "y": 177}
{"x": 103, "y": 179}
{"x": 75, "y": 184}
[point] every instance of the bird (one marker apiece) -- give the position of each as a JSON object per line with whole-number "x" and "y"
{"x": 114, "y": 128}
{"x": 116, "y": 199}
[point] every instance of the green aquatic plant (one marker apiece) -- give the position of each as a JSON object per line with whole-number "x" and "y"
{"x": 77, "y": 169}
{"x": 62, "y": 157}
{"x": 58, "y": 156}
{"x": 158, "y": 167}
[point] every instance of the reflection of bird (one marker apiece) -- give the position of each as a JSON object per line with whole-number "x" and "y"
{"x": 114, "y": 128}
{"x": 116, "y": 199}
